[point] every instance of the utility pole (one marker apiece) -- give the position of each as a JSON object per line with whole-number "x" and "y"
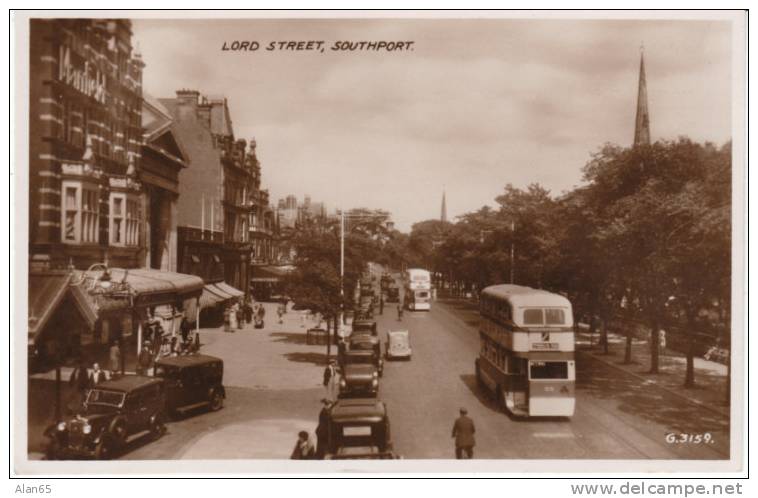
{"x": 342, "y": 269}
{"x": 513, "y": 228}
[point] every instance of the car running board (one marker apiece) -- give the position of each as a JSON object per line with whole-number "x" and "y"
{"x": 192, "y": 407}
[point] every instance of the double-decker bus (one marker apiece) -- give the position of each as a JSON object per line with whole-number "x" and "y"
{"x": 527, "y": 350}
{"x": 418, "y": 289}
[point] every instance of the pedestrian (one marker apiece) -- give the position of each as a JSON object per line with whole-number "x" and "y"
{"x": 240, "y": 316}
{"x": 261, "y": 311}
{"x": 399, "y": 312}
{"x": 97, "y": 376}
{"x": 322, "y": 430}
{"x": 331, "y": 381}
{"x": 303, "y": 449}
{"x": 249, "y": 309}
{"x": 79, "y": 381}
{"x": 145, "y": 359}
{"x": 227, "y": 319}
{"x": 463, "y": 432}
{"x": 185, "y": 328}
{"x": 115, "y": 358}
{"x": 280, "y": 313}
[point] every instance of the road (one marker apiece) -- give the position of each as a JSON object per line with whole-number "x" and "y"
{"x": 273, "y": 389}
{"x": 617, "y": 417}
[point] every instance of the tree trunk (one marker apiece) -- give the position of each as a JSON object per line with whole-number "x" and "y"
{"x": 654, "y": 345}
{"x": 689, "y": 375}
{"x": 628, "y": 348}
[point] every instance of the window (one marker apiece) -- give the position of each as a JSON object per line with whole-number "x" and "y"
{"x": 548, "y": 370}
{"x": 80, "y": 213}
{"x": 554, "y": 316}
{"x": 125, "y": 220}
{"x": 533, "y": 317}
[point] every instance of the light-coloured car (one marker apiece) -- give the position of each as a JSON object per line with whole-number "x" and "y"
{"x": 398, "y": 344}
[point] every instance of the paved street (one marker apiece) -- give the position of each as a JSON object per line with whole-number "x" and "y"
{"x": 273, "y": 381}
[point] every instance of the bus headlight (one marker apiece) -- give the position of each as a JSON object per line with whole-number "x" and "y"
{"x": 62, "y": 426}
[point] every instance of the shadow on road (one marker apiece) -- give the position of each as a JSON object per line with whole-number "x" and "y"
{"x": 290, "y": 338}
{"x": 315, "y": 358}
{"x": 484, "y": 397}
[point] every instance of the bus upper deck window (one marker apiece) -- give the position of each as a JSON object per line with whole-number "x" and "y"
{"x": 554, "y": 317}
{"x": 533, "y": 317}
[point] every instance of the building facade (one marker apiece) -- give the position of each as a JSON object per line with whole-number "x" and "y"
{"x": 225, "y": 224}
{"x": 85, "y": 141}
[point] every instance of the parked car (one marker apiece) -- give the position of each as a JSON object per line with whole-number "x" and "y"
{"x": 398, "y": 344}
{"x": 113, "y": 413}
{"x": 192, "y": 381}
{"x": 359, "y": 373}
{"x": 365, "y": 326}
{"x": 359, "y": 429}
{"x": 365, "y": 342}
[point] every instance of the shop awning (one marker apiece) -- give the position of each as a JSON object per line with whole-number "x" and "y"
{"x": 270, "y": 273}
{"x": 229, "y": 289}
{"x": 46, "y": 291}
{"x": 154, "y": 287}
{"x": 209, "y": 299}
{"x": 85, "y": 304}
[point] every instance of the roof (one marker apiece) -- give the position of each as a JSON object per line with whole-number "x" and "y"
{"x": 358, "y": 410}
{"x": 229, "y": 289}
{"x": 46, "y": 291}
{"x": 521, "y": 296}
{"x": 187, "y": 360}
{"x": 128, "y": 383}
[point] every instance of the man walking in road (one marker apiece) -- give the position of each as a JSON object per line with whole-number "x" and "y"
{"x": 331, "y": 381}
{"x": 463, "y": 432}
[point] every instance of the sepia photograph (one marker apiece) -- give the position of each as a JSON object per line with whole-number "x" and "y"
{"x": 379, "y": 241}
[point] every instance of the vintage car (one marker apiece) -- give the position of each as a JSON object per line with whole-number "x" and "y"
{"x": 359, "y": 428}
{"x": 364, "y": 326}
{"x": 113, "y": 413}
{"x": 398, "y": 344}
{"x": 365, "y": 342}
{"x": 192, "y": 381}
{"x": 393, "y": 294}
{"x": 359, "y": 373}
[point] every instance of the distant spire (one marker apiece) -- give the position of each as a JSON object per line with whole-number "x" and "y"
{"x": 443, "y": 211}
{"x": 642, "y": 121}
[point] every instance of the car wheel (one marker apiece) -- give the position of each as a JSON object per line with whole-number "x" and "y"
{"x": 105, "y": 448}
{"x": 157, "y": 427}
{"x": 217, "y": 401}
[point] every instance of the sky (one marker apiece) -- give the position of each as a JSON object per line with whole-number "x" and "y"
{"x": 475, "y": 105}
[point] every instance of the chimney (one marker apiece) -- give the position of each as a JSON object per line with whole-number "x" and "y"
{"x": 188, "y": 97}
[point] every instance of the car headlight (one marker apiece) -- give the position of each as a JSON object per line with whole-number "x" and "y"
{"x": 62, "y": 426}
{"x": 375, "y": 382}
{"x": 343, "y": 383}
{"x": 86, "y": 429}
{"x": 376, "y": 375}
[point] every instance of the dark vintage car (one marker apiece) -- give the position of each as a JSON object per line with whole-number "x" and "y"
{"x": 364, "y": 326}
{"x": 360, "y": 375}
{"x": 366, "y": 342}
{"x": 192, "y": 381}
{"x": 113, "y": 414}
{"x": 359, "y": 428}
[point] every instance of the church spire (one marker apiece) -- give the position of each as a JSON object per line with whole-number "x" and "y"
{"x": 642, "y": 121}
{"x": 443, "y": 211}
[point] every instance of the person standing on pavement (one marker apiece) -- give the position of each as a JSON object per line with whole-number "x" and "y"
{"x": 115, "y": 358}
{"x": 240, "y": 316}
{"x": 463, "y": 432}
{"x": 185, "y": 328}
{"x": 399, "y": 312}
{"x": 145, "y": 359}
{"x": 97, "y": 376}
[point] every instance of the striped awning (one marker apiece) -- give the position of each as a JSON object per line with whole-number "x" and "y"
{"x": 212, "y": 296}
{"x": 229, "y": 289}
{"x": 45, "y": 294}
